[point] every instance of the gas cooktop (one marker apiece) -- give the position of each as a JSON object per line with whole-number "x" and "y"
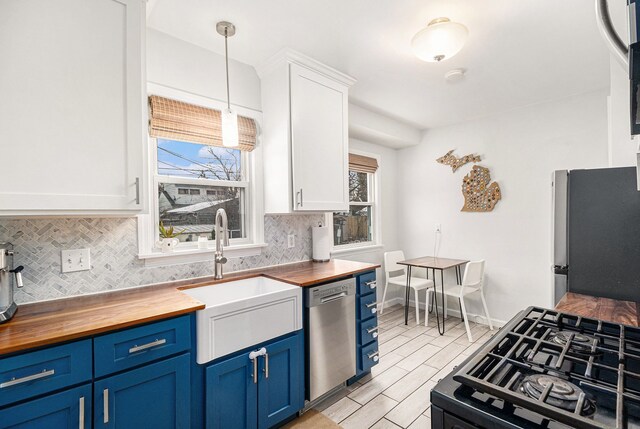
{"x": 548, "y": 369}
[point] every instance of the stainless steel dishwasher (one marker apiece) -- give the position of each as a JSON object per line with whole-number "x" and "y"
{"x": 332, "y": 335}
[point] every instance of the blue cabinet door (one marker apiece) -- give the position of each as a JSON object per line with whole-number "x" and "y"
{"x": 154, "y": 396}
{"x": 231, "y": 394}
{"x": 280, "y": 388}
{"x": 70, "y": 409}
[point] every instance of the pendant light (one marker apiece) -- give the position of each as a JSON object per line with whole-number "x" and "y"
{"x": 440, "y": 40}
{"x": 229, "y": 117}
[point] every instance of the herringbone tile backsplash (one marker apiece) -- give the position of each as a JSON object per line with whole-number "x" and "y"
{"x": 114, "y": 249}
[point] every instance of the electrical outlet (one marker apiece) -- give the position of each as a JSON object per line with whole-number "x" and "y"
{"x": 291, "y": 241}
{"x": 75, "y": 260}
{"x": 438, "y": 228}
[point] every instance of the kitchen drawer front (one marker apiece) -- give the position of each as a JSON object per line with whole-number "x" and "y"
{"x": 30, "y": 374}
{"x": 136, "y": 346}
{"x": 368, "y": 331}
{"x": 369, "y": 356}
{"x": 367, "y": 283}
{"x": 367, "y": 307}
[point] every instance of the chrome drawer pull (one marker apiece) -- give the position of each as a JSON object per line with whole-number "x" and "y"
{"x": 14, "y": 381}
{"x": 372, "y": 284}
{"x": 147, "y": 346}
{"x": 373, "y": 308}
{"x": 375, "y": 328}
{"x": 81, "y": 416}
{"x": 105, "y": 405}
{"x": 372, "y": 304}
{"x": 375, "y": 356}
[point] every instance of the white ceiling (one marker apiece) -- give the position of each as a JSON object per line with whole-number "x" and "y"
{"x": 518, "y": 53}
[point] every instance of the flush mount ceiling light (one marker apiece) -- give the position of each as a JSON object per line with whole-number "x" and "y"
{"x": 440, "y": 40}
{"x": 229, "y": 117}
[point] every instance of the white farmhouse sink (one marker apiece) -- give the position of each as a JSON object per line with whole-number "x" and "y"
{"x": 242, "y": 313}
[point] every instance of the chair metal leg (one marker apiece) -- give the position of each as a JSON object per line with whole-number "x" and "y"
{"x": 465, "y": 318}
{"x": 486, "y": 311}
{"x": 417, "y": 307}
{"x": 426, "y": 307}
{"x": 384, "y": 296}
{"x": 445, "y": 315}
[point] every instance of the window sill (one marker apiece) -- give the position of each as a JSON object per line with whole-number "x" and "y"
{"x": 187, "y": 256}
{"x": 347, "y": 250}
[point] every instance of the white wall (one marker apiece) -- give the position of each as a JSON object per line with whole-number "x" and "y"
{"x": 522, "y": 148}
{"x": 387, "y": 207}
{"x": 178, "y": 64}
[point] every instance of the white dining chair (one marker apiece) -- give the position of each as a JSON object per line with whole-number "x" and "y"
{"x": 391, "y": 266}
{"x": 472, "y": 283}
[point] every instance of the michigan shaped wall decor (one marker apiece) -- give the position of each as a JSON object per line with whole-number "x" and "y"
{"x": 480, "y": 195}
{"x": 455, "y": 162}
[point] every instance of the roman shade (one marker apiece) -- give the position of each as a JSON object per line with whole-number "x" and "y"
{"x": 362, "y": 164}
{"x": 176, "y": 120}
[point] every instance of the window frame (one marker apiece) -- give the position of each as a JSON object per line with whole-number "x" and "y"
{"x": 252, "y": 183}
{"x": 373, "y": 191}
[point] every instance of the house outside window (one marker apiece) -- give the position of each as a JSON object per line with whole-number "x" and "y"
{"x": 216, "y": 179}
{"x": 356, "y": 227}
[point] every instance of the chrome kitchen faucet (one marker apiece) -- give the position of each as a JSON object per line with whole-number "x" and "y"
{"x": 7, "y": 304}
{"x": 222, "y": 232}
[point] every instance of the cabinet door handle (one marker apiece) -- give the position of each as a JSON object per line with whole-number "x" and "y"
{"x": 374, "y": 356}
{"x": 15, "y": 381}
{"x": 372, "y": 284}
{"x": 374, "y": 329}
{"x": 255, "y": 370}
{"x": 155, "y": 343}
{"x": 137, "y": 190}
{"x": 81, "y": 416}
{"x": 300, "y": 201}
{"x": 266, "y": 365}
{"x": 105, "y": 405}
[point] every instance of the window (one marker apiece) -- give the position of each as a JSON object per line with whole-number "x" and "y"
{"x": 216, "y": 179}
{"x": 356, "y": 226}
{"x": 193, "y": 175}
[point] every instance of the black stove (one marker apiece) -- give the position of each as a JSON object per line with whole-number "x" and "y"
{"x": 546, "y": 369}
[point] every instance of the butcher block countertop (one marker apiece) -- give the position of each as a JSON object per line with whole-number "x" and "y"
{"x": 610, "y": 310}
{"x": 45, "y": 323}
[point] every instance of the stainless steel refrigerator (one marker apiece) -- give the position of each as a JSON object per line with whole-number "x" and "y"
{"x": 596, "y": 227}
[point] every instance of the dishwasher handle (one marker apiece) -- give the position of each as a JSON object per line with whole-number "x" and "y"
{"x": 331, "y": 298}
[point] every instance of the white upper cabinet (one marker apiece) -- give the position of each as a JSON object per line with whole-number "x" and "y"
{"x": 73, "y": 109}
{"x": 305, "y": 135}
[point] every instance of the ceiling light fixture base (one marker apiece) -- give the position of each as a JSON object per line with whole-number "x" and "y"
{"x": 225, "y": 28}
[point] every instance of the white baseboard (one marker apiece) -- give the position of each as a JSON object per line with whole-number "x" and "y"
{"x": 477, "y": 318}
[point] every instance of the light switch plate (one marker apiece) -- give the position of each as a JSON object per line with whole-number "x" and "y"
{"x": 76, "y": 260}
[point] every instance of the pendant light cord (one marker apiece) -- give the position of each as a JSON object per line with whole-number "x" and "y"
{"x": 226, "y": 61}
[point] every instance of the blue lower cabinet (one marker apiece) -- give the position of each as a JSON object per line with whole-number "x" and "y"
{"x": 280, "y": 388}
{"x": 68, "y": 409}
{"x": 235, "y": 398}
{"x": 231, "y": 394}
{"x": 153, "y": 396}
{"x": 366, "y": 325}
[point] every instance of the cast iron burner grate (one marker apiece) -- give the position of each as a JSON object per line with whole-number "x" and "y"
{"x": 578, "y": 371}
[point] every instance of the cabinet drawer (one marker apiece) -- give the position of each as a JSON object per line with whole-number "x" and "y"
{"x": 367, "y": 307}
{"x": 67, "y": 409}
{"x": 368, "y": 331}
{"x": 31, "y": 374}
{"x": 369, "y": 356}
{"x": 132, "y": 347}
{"x": 367, "y": 283}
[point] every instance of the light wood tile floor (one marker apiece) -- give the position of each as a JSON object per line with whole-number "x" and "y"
{"x": 413, "y": 359}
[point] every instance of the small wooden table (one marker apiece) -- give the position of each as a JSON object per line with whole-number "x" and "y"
{"x": 431, "y": 263}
